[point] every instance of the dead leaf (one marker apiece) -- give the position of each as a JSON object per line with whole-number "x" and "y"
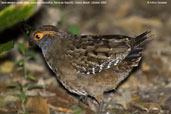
{"x": 60, "y": 109}
{"x": 7, "y": 67}
{"x": 36, "y": 105}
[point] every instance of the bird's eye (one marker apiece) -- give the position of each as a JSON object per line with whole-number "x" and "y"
{"x": 38, "y": 36}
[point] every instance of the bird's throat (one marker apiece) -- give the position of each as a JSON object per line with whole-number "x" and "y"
{"x": 45, "y": 44}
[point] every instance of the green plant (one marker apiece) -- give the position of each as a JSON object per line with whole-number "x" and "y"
{"x": 23, "y": 89}
{"x": 26, "y": 55}
{"x": 78, "y": 110}
{"x": 74, "y": 29}
{"x": 13, "y": 14}
{"x": 6, "y": 46}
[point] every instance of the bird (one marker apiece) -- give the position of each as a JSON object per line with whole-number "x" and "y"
{"x": 89, "y": 65}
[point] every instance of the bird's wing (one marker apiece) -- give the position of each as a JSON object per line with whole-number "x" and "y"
{"x": 91, "y": 54}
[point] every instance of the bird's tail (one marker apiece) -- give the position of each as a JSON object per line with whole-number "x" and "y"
{"x": 140, "y": 39}
{"x": 138, "y": 43}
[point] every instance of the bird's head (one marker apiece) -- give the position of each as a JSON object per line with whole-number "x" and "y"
{"x": 44, "y": 36}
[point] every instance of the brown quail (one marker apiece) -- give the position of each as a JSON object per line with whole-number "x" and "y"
{"x": 89, "y": 65}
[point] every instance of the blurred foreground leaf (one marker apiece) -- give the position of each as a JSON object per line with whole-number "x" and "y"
{"x": 6, "y": 46}
{"x": 74, "y": 29}
{"x": 14, "y": 14}
{"x": 21, "y": 48}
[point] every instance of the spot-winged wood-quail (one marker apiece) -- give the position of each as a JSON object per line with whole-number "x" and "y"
{"x": 89, "y": 64}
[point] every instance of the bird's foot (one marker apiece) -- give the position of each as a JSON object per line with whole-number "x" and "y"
{"x": 102, "y": 108}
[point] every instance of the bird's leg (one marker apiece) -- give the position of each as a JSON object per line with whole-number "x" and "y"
{"x": 101, "y": 107}
{"x": 89, "y": 101}
{"x": 93, "y": 104}
{"x": 83, "y": 99}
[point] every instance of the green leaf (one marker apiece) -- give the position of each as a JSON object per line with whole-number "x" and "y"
{"x": 74, "y": 29}
{"x": 78, "y": 111}
{"x": 31, "y": 77}
{"x": 2, "y": 102}
{"x": 23, "y": 97}
{"x": 13, "y": 85}
{"x": 35, "y": 87}
{"x": 20, "y": 62}
{"x": 6, "y": 46}
{"x": 16, "y": 93}
{"x": 15, "y": 13}
{"x": 21, "y": 48}
{"x": 30, "y": 54}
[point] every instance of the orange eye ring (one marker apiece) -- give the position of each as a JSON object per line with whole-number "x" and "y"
{"x": 38, "y": 36}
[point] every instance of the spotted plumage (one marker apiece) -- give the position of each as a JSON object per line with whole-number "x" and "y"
{"x": 98, "y": 53}
{"x": 89, "y": 64}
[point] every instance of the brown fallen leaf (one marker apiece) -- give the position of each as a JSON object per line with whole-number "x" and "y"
{"x": 148, "y": 107}
{"x": 36, "y": 105}
{"x": 153, "y": 107}
{"x": 146, "y": 67}
{"x": 60, "y": 109}
{"x": 7, "y": 66}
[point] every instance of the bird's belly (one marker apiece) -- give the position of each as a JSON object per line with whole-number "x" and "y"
{"x": 74, "y": 87}
{"x": 92, "y": 85}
